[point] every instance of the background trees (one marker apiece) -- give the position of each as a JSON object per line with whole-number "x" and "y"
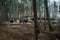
{"x": 16, "y": 8}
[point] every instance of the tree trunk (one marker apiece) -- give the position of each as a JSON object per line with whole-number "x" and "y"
{"x": 35, "y": 20}
{"x": 47, "y": 14}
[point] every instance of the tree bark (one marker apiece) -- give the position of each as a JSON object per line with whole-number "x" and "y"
{"x": 47, "y": 14}
{"x": 35, "y": 20}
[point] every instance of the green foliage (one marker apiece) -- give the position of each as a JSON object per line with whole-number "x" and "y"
{"x": 39, "y": 3}
{"x": 24, "y": 1}
{"x": 5, "y": 4}
{"x": 21, "y": 7}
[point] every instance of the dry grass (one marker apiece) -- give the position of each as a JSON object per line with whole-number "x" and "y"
{"x": 23, "y": 33}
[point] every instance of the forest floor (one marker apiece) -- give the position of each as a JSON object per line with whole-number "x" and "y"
{"x": 24, "y": 32}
